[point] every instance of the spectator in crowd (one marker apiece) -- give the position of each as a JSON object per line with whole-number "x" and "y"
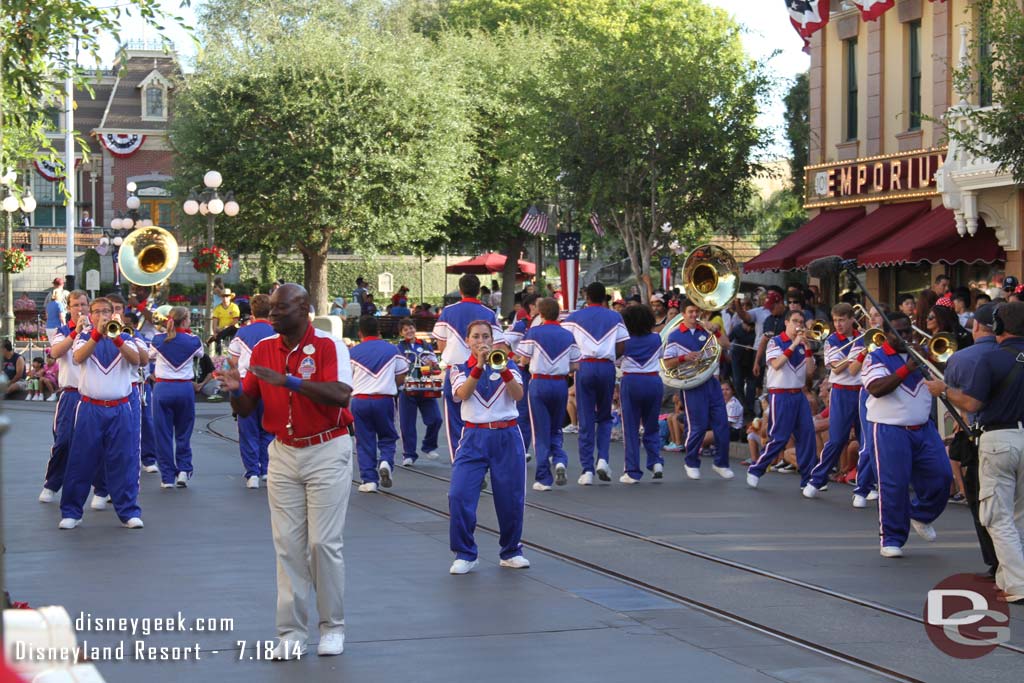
{"x": 981, "y": 299}
{"x": 218, "y": 291}
{"x": 570, "y": 410}
{"x": 225, "y": 319}
{"x": 14, "y": 368}
{"x": 495, "y": 301}
{"x": 86, "y": 223}
{"x": 741, "y": 353}
{"x": 34, "y": 381}
{"x": 942, "y": 318}
{"x": 962, "y": 307}
{"x": 400, "y": 295}
{"x": 925, "y": 302}
{"x": 361, "y": 291}
{"x": 673, "y": 432}
{"x": 56, "y": 308}
{"x": 369, "y": 307}
{"x": 941, "y": 286}
{"x": 660, "y": 311}
{"x": 907, "y": 304}
{"x": 206, "y": 384}
{"x": 337, "y": 306}
{"x": 400, "y": 309}
{"x": 275, "y": 284}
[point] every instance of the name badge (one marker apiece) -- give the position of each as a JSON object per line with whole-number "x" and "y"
{"x": 703, "y": 337}
{"x": 307, "y": 368}
{"x": 308, "y": 349}
{"x": 494, "y": 376}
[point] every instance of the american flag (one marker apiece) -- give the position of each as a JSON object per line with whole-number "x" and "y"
{"x": 569, "y": 267}
{"x": 666, "y": 273}
{"x": 596, "y": 223}
{"x": 807, "y": 17}
{"x": 872, "y": 9}
{"x": 534, "y": 222}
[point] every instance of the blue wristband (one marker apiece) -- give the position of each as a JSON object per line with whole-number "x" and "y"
{"x": 292, "y": 383}
{"x": 237, "y": 393}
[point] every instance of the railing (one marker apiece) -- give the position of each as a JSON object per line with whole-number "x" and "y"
{"x": 42, "y": 239}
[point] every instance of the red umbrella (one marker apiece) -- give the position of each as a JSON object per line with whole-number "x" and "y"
{"x": 487, "y": 264}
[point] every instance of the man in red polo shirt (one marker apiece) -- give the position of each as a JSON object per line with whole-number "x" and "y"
{"x": 304, "y": 377}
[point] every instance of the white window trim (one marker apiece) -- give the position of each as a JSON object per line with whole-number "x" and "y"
{"x": 154, "y": 79}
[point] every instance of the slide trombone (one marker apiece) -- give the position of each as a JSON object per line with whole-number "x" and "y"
{"x": 941, "y": 346}
{"x": 873, "y": 339}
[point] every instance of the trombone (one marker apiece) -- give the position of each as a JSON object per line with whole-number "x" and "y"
{"x": 873, "y": 339}
{"x": 941, "y": 346}
{"x": 861, "y": 314}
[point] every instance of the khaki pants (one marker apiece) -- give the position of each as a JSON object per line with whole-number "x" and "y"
{"x": 1001, "y": 503}
{"x": 308, "y": 490}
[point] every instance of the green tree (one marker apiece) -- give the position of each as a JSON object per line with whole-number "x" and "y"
{"x": 35, "y": 60}
{"x": 798, "y": 129}
{"x": 335, "y": 135}
{"x": 995, "y": 65}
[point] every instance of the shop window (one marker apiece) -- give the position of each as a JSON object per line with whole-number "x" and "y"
{"x": 914, "y": 75}
{"x": 851, "y": 88}
{"x": 155, "y": 101}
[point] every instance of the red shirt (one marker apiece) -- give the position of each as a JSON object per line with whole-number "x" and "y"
{"x": 318, "y": 357}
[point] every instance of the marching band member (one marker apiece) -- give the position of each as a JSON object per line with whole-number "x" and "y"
{"x": 552, "y": 354}
{"x": 601, "y": 337}
{"x": 419, "y": 355}
{"x": 641, "y": 392}
{"x": 142, "y": 393}
{"x": 704, "y": 405}
{"x": 378, "y": 371}
{"x": 140, "y": 315}
{"x": 842, "y": 356}
{"x": 174, "y": 398}
{"x": 253, "y": 440}
{"x": 450, "y": 333}
{"x": 304, "y": 377}
{"x": 789, "y": 363}
{"x": 908, "y": 448}
{"x": 513, "y": 337}
{"x": 103, "y": 430}
{"x": 490, "y": 441}
{"x": 867, "y": 483}
{"x": 67, "y": 377}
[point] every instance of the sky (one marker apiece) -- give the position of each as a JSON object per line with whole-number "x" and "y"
{"x": 766, "y": 29}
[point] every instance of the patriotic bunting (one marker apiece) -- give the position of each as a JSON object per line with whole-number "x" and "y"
{"x": 568, "y": 244}
{"x": 122, "y": 144}
{"x": 51, "y": 171}
{"x": 666, "y": 273}
{"x": 808, "y": 17}
{"x": 872, "y": 9}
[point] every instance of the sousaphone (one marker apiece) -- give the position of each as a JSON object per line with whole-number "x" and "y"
{"x": 148, "y": 256}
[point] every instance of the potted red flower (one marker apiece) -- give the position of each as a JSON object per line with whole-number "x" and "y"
{"x": 212, "y": 261}
{"x": 14, "y": 259}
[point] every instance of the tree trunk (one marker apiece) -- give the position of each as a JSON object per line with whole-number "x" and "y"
{"x": 513, "y": 248}
{"x": 316, "y": 280}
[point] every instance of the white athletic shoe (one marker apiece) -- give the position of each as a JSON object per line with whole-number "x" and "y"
{"x": 368, "y": 487}
{"x": 570, "y": 429}
{"x": 462, "y": 566}
{"x": 560, "y": 475}
{"x": 659, "y": 471}
{"x": 891, "y": 551}
{"x": 384, "y": 471}
{"x": 39, "y": 397}
{"x": 29, "y": 398}
{"x": 626, "y": 479}
{"x": 408, "y": 462}
{"x": 51, "y": 398}
{"x": 859, "y": 501}
{"x": 165, "y": 485}
{"x": 252, "y": 482}
{"x": 692, "y": 472}
{"x": 723, "y": 472}
{"x": 68, "y": 523}
{"x": 288, "y": 649}
{"x": 134, "y": 523}
{"x": 98, "y": 502}
{"x": 151, "y": 469}
{"x": 925, "y": 531}
{"x": 47, "y": 496}
{"x": 810, "y": 491}
{"x": 539, "y": 486}
{"x": 431, "y": 455}
{"x": 604, "y": 473}
{"x": 182, "y": 480}
{"x": 331, "y": 644}
{"x": 872, "y": 495}
{"x": 752, "y": 480}
{"x": 586, "y": 479}
{"x": 517, "y": 562}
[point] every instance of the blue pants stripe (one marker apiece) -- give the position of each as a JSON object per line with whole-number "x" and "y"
{"x": 789, "y": 415}
{"x": 641, "y": 404}
{"x": 174, "y": 416}
{"x": 502, "y": 452}
{"x": 375, "y": 429}
{"x": 866, "y": 477}
{"x": 452, "y": 416}
{"x": 705, "y": 409}
{"x": 547, "y": 399}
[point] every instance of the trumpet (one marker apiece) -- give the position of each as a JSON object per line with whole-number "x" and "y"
{"x": 819, "y": 331}
{"x": 497, "y": 359}
{"x": 941, "y": 346}
{"x": 114, "y": 329}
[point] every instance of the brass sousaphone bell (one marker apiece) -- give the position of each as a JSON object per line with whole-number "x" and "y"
{"x": 711, "y": 279}
{"x": 148, "y": 256}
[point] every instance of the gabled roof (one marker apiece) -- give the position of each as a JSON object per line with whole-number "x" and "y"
{"x": 124, "y": 106}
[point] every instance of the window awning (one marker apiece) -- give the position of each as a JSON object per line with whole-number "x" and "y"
{"x": 933, "y": 238}
{"x": 877, "y": 225}
{"x": 783, "y": 255}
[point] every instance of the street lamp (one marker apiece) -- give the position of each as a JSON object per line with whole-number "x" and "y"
{"x": 210, "y": 204}
{"x": 11, "y": 204}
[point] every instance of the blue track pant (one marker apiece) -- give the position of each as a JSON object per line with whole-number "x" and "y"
{"x": 174, "y": 415}
{"x": 63, "y": 427}
{"x": 253, "y": 442}
{"x": 595, "y": 384}
{"x": 547, "y": 399}
{"x": 866, "y": 477}
{"x": 705, "y": 409}
{"x": 452, "y": 416}
{"x": 523, "y": 406}
{"x": 640, "y": 397}
{"x": 375, "y": 428}
{"x": 843, "y": 415}
{"x": 409, "y": 408}
{"x": 148, "y": 441}
{"x": 788, "y": 415}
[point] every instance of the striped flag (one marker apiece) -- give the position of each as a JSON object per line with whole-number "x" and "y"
{"x": 666, "y": 273}
{"x": 596, "y": 223}
{"x": 534, "y": 222}
{"x": 568, "y": 245}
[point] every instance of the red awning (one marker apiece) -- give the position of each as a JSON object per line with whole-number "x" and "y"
{"x": 933, "y": 238}
{"x": 870, "y": 229}
{"x": 491, "y": 263}
{"x": 783, "y": 255}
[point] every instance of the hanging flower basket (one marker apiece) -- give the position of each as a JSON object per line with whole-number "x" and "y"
{"x": 15, "y": 259}
{"x": 212, "y": 261}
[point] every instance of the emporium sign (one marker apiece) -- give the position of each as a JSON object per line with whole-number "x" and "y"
{"x": 880, "y": 178}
